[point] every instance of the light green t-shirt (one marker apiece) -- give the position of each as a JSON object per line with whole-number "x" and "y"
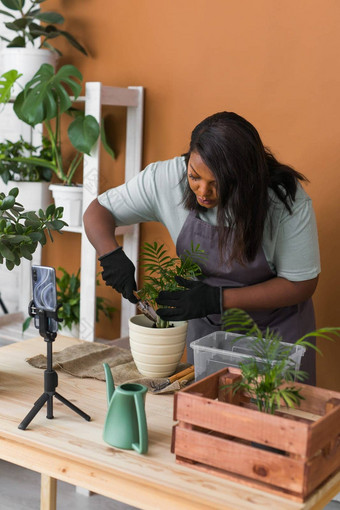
{"x": 155, "y": 194}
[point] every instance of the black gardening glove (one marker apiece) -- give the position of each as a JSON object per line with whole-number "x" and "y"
{"x": 119, "y": 272}
{"x": 199, "y": 300}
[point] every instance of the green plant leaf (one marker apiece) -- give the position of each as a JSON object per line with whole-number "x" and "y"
{"x": 25, "y": 253}
{"x": 15, "y": 5}
{"x": 50, "y": 17}
{"x": 8, "y": 202}
{"x": 6, "y": 252}
{"x": 10, "y": 265}
{"x": 73, "y": 41}
{"x": 26, "y": 324}
{"x": 17, "y": 42}
{"x": 104, "y": 141}
{"x": 83, "y": 133}
{"x": 46, "y": 94}
{"x": 7, "y": 81}
{"x": 6, "y": 13}
{"x": 14, "y": 192}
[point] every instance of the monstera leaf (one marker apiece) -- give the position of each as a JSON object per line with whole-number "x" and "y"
{"x": 46, "y": 96}
{"x": 7, "y": 81}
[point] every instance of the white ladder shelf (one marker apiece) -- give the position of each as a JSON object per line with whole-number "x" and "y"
{"x": 96, "y": 96}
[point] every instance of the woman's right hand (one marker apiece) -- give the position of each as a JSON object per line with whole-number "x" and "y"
{"x": 119, "y": 273}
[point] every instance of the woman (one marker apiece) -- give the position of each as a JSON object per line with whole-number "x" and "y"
{"x": 246, "y": 210}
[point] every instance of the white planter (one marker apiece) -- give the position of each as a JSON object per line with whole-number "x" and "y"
{"x": 71, "y": 199}
{"x": 156, "y": 352}
{"x": 73, "y": 332}
{"x": 32, "y": 195}
{"x": 25, "y": 60}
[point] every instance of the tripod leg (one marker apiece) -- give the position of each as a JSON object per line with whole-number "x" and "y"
{"x": 35, "y": 409}
{"x": 3, "y": 306}
{"x": 72, "y": 406}
{"x": 50, "y": 407}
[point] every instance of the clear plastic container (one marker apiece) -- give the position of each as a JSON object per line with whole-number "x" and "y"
{"x": 220, "y": 349}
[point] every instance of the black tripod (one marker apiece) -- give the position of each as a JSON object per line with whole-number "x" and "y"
{"x": 50, "y": 376}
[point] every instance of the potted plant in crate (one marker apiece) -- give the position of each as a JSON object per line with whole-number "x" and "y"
{"x": 240, "y": 412}
{"x": 44, "y": 100}
{"x": 21, "y": 231}
{"x": 158, "y": 348}
{"x": 28, "y": 34}
{"x": 268, "y": 376}
{"x": 68, "y": 295}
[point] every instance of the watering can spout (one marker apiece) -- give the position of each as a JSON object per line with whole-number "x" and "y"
{"x": 110, "y": 387}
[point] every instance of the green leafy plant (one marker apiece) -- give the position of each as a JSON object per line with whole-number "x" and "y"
{"x": 161, "y": 270}
{"x": 44, "y": 99}
{"x": 7, "y": 81}
{"x": 268, "y": 376}
{"x": 14, "y": 164}
{"x": 68, "y": 296}
{"x": 20, "y": 231}
{"x": 27, "y": 27}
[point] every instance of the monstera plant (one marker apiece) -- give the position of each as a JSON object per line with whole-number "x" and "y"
{"x": 44, "y": 100}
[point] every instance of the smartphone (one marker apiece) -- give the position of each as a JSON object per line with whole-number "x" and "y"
{"x": 45, "y": 293}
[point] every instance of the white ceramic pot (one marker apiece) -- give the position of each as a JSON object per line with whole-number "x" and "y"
{"x": 156, "y": 352}
{"x": 25, "y": 60}
{"x": 73, "y": 332}
{"x": 71, "y": 199}
{"x": 32, "y": 195}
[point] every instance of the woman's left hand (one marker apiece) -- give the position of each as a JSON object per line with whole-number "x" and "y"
{"x": 199, "y": 300}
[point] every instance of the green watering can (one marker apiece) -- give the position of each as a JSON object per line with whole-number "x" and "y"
{"x": 125, "y": 423}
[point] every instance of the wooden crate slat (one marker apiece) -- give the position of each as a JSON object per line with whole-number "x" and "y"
{"x": 315, "y": 398}
{"x": 248, "y": 461}
{"x": 320, "y": 467}
{"x": 324, "y": 431}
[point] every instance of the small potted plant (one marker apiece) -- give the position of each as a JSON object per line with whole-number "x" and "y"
{"x": 269, "y": 375}
{"x": 28, "y": 34}
{"x": 44, "y": 100}
{"x": 158, "y": 348}
{"x": 31, "y": 179}
{"x": 21, "y": 231}
{"x": 68, "y": 295}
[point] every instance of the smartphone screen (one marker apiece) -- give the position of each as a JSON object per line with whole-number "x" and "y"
{"x": 45, "y": 293}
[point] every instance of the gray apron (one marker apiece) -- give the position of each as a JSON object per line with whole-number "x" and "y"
{"x": 291, "y": 322}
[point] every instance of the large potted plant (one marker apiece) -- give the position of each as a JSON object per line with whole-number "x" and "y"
{"x": 44, "y": 100}
{"x": 158, "y": 347}
{"x": 30, "y": 35}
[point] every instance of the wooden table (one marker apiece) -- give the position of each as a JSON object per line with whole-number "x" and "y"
{"x": 71, "y": 449}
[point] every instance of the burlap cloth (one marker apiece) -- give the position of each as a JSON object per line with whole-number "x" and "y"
{"x": 86, "y": 360}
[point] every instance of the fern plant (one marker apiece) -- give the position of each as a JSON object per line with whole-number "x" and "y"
{"x": 161, "y": 270}
{"x": 268, "y": 376}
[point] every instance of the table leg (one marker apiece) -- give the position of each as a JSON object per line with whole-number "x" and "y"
{"x": 48, "y": 493}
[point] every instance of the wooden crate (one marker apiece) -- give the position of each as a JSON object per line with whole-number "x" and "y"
{"x": 232, "y": 439}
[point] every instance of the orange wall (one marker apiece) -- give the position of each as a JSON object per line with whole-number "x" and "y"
{"x": 275, "y": 63}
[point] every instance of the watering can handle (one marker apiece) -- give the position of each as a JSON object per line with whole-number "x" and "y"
{"x": 142, "y": 447}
